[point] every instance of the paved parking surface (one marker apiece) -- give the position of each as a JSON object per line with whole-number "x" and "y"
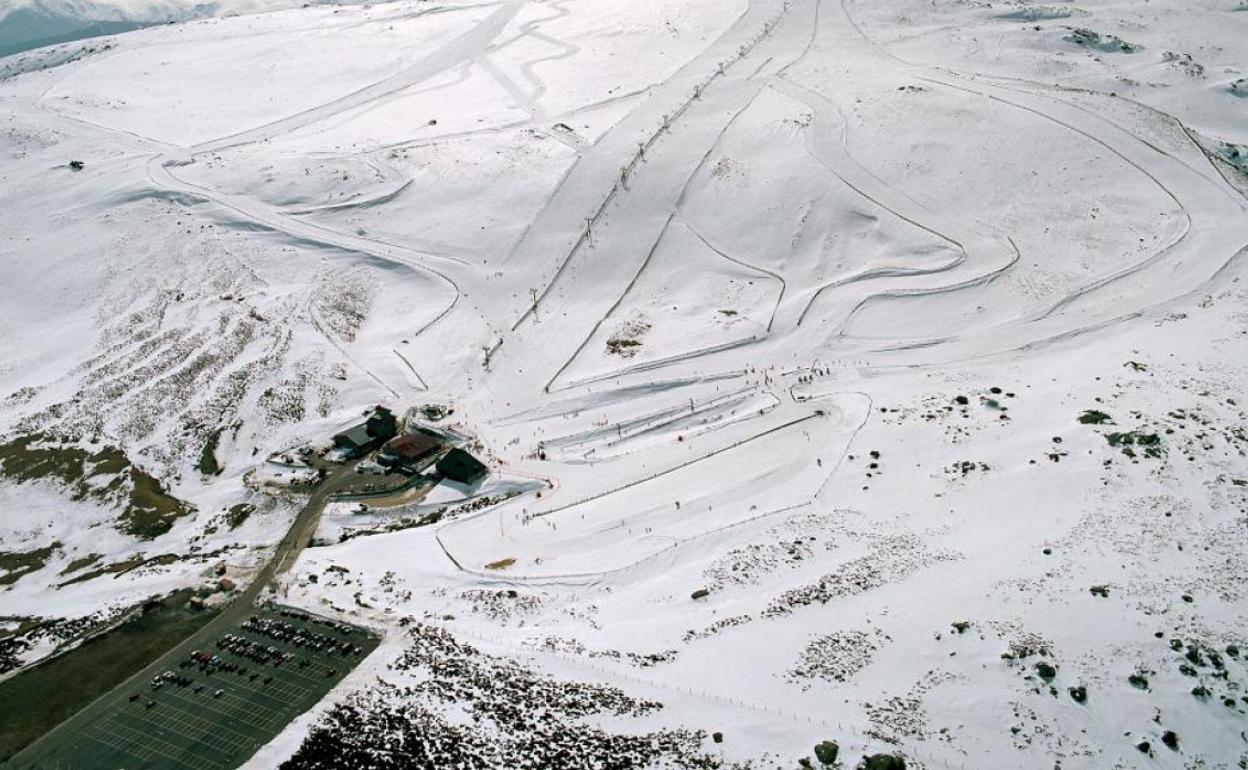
{"x": 216, "y": 705}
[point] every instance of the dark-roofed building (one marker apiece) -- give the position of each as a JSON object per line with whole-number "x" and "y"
{"x": 362, "y": 439}
{"x": 411, "y": 453}
{"x": 355, "y": 442}
{"x": 382, "y": 424}
{"x": 458, "y": 465}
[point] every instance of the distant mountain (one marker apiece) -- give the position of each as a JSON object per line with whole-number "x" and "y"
{"x": 36, "y": 23}
{"x": 25, "y": 29}
{"x": 41, "y": 23}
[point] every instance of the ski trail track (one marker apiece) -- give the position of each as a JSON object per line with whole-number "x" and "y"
{"x": 1213, "y": 238}
{"x": 784, "y": 285}
{"x": 1215, "y": 234}
{"x": 250, "y": 212}
{"x": 982, "y": 255}
{"x": 459, "y": 51}
{"x": 602, "y": 224}
{"x": 637, "y": 172}
{"x": 640, "y": 169}
{"x": 653, "y": 247}
{"x": 1210, "y": 229}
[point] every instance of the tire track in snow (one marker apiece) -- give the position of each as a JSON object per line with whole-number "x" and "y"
{"x": 1125, "y": 272}
{"x": 654, "y": 246}
{"x": 459, "y": 51}
{"x": 783, "y": 284}
{"x": 268, "y": 217}
{"x": 982, "y": 255}
{"x": 1145, "y": 164}
{"x": 530, "y": 29}
{"x": 403, "y": 358}
{"x": 653, "y": 136}
{"x": 333, "y": 340}
{"x": 754, "y": 28}
{"x": 1037, "y": 88}
{"x": 375, "y": 198}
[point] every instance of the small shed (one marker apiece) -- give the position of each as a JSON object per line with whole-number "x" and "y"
{"x": 458, "y": 465}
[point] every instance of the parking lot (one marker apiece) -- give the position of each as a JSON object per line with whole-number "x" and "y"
{"x": 216, "y": 705}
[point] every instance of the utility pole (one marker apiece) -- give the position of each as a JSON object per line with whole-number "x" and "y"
{"x": 489, "y": 352}
{"x": 533, "y": 293}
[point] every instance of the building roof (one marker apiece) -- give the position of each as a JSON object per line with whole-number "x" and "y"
{"x": 412, "y": 446}
{"x": 382, "y": 424}
{"x": 354, "y": 437}
{"x": 460, "y": 466}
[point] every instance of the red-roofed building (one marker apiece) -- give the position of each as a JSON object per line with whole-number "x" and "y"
{"x": 411, "y": 452}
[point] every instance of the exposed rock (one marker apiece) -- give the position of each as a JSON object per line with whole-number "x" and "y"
{"x": 826, "y": 751}
{"x": 882, "y": 762}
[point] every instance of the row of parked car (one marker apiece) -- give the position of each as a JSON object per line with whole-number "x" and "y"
{"x": 173, "y": 679}
{"x": 300, "y": 636}
{"x": 343, "y": 628}
{"x": 257, "y": 653}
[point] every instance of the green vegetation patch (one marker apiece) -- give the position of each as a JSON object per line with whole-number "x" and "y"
{"x": 1147, "y": 443}
{"x": 148, "y": 510}
{"x": 213, "y": 719}
{"x": 18, "y": 564}
{"x": 36, "y": 700}
{"x": 24, "y": 624}
{"x": 13, "y": 642}
{"x": 116, "y": 568}
{"x": 152, "y": 510}
{"x": 82, "y": 563}
{"x": 208, "y": 464}
{"x": 119, "y": 568}
{"x": 407, "y": 522}
{"x": 238, "y": 513}
{"x": 1093, "y": 417}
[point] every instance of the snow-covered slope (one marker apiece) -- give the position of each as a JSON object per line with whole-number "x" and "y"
{"x": 858, "y": 371}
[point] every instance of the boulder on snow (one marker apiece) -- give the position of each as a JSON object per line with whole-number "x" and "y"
{"x": 826, "y": 751}
{"x": 882, "y": 762}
